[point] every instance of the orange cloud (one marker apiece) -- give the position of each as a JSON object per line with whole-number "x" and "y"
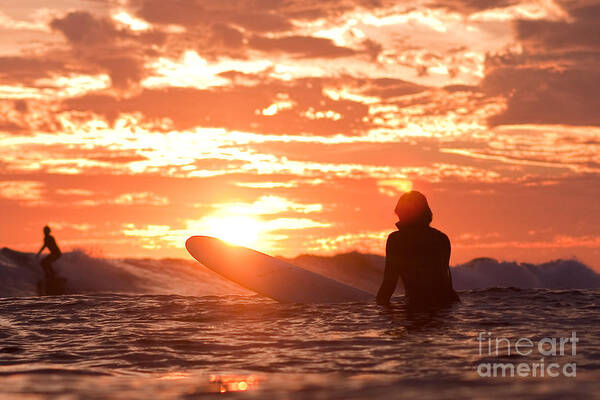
{"x": 26, "y": 193}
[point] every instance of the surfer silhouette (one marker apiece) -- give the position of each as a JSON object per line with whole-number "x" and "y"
{"x": 419, "y": 255}
{"x": 54, "y": 255}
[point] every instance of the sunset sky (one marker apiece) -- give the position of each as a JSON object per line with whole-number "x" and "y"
{"x": 293, "y": 126}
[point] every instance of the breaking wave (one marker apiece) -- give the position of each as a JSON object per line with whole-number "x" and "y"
{"x": 20, "y": 272}
{"x": 482, "y": 273}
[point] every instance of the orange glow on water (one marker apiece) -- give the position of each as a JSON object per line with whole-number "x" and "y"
{"x": 235, "y": 383}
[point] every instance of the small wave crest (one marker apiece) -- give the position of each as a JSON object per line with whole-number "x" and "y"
{"x": 20, "y": 273}
{"x": 482, "y": 273}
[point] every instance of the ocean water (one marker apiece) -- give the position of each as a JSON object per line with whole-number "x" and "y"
{"x": 213, "y": 338}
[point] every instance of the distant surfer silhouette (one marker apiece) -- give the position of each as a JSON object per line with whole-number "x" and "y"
{"x": 419, "y": 255}
{"x": 50, "y": 244}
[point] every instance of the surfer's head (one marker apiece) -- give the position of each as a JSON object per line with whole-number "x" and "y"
{"x": 46, "y": 230}
{"x": 412, "y": 209}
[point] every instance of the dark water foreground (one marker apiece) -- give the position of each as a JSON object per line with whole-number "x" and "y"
{"x": 177, "y": 347}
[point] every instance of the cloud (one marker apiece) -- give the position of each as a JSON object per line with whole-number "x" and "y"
{"x": 10, "y": 127}
{"x": 99, "y": 44}
{"x": 582, "y": 32}
{"x": 24, "y": 117}
{"x": 391, "y": 87}
{"x": 235, "y": 108}
{"x": 267, "y": 185}
{"x": 256, "y": 233}
{"x": 545, "y": 96}
{"x": 62, "y": 225}
{"x": 21, "y": 106}
{"x": 142, "y": 198}
{"x": 124, "y": 199}
{"x": 254, "y": 15}
{"x": 302, "y": 46}
{"x": 268, "y": 204}
{"x": 74, "y": 192}
{"x": 555, "y": 77}
{"x": 227, "y": 35}
{"x": 394, "y": 187}
{"x": 365, "y": 242}
{"x": 27, "y": 69}
{"x": 124, "y": 71}
{"x": 82, "y": 28}
{"x": 471, "y": 6}
{"x": 235, "y": 28}
{"x": 555, "y": 147}
{"x": 37, "y": 24}
{"x": 214, "y": 152}
{"x": 558, "y": 241}
{"x": 191, "y": 13}
{"x": 260, "y": 21}
{"x": 26, "y": 193}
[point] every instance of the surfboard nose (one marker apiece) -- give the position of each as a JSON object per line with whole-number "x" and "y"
{"x": 202, "y": 243}
{"x": 188, "y": 243}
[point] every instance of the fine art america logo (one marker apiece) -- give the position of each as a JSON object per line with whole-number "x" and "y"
{"x": 496, "y": 349}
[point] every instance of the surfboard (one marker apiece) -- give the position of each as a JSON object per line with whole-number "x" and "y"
{"x": 270, "y": 276}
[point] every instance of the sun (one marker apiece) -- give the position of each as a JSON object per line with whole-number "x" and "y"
{"x": 235, "y": 229}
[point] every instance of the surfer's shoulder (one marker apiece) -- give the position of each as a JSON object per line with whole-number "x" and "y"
{"x": 395, "y": 235}
{"x": 439, "y": 235}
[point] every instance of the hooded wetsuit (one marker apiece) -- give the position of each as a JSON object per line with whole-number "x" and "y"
{"x": 419, "y": 255}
